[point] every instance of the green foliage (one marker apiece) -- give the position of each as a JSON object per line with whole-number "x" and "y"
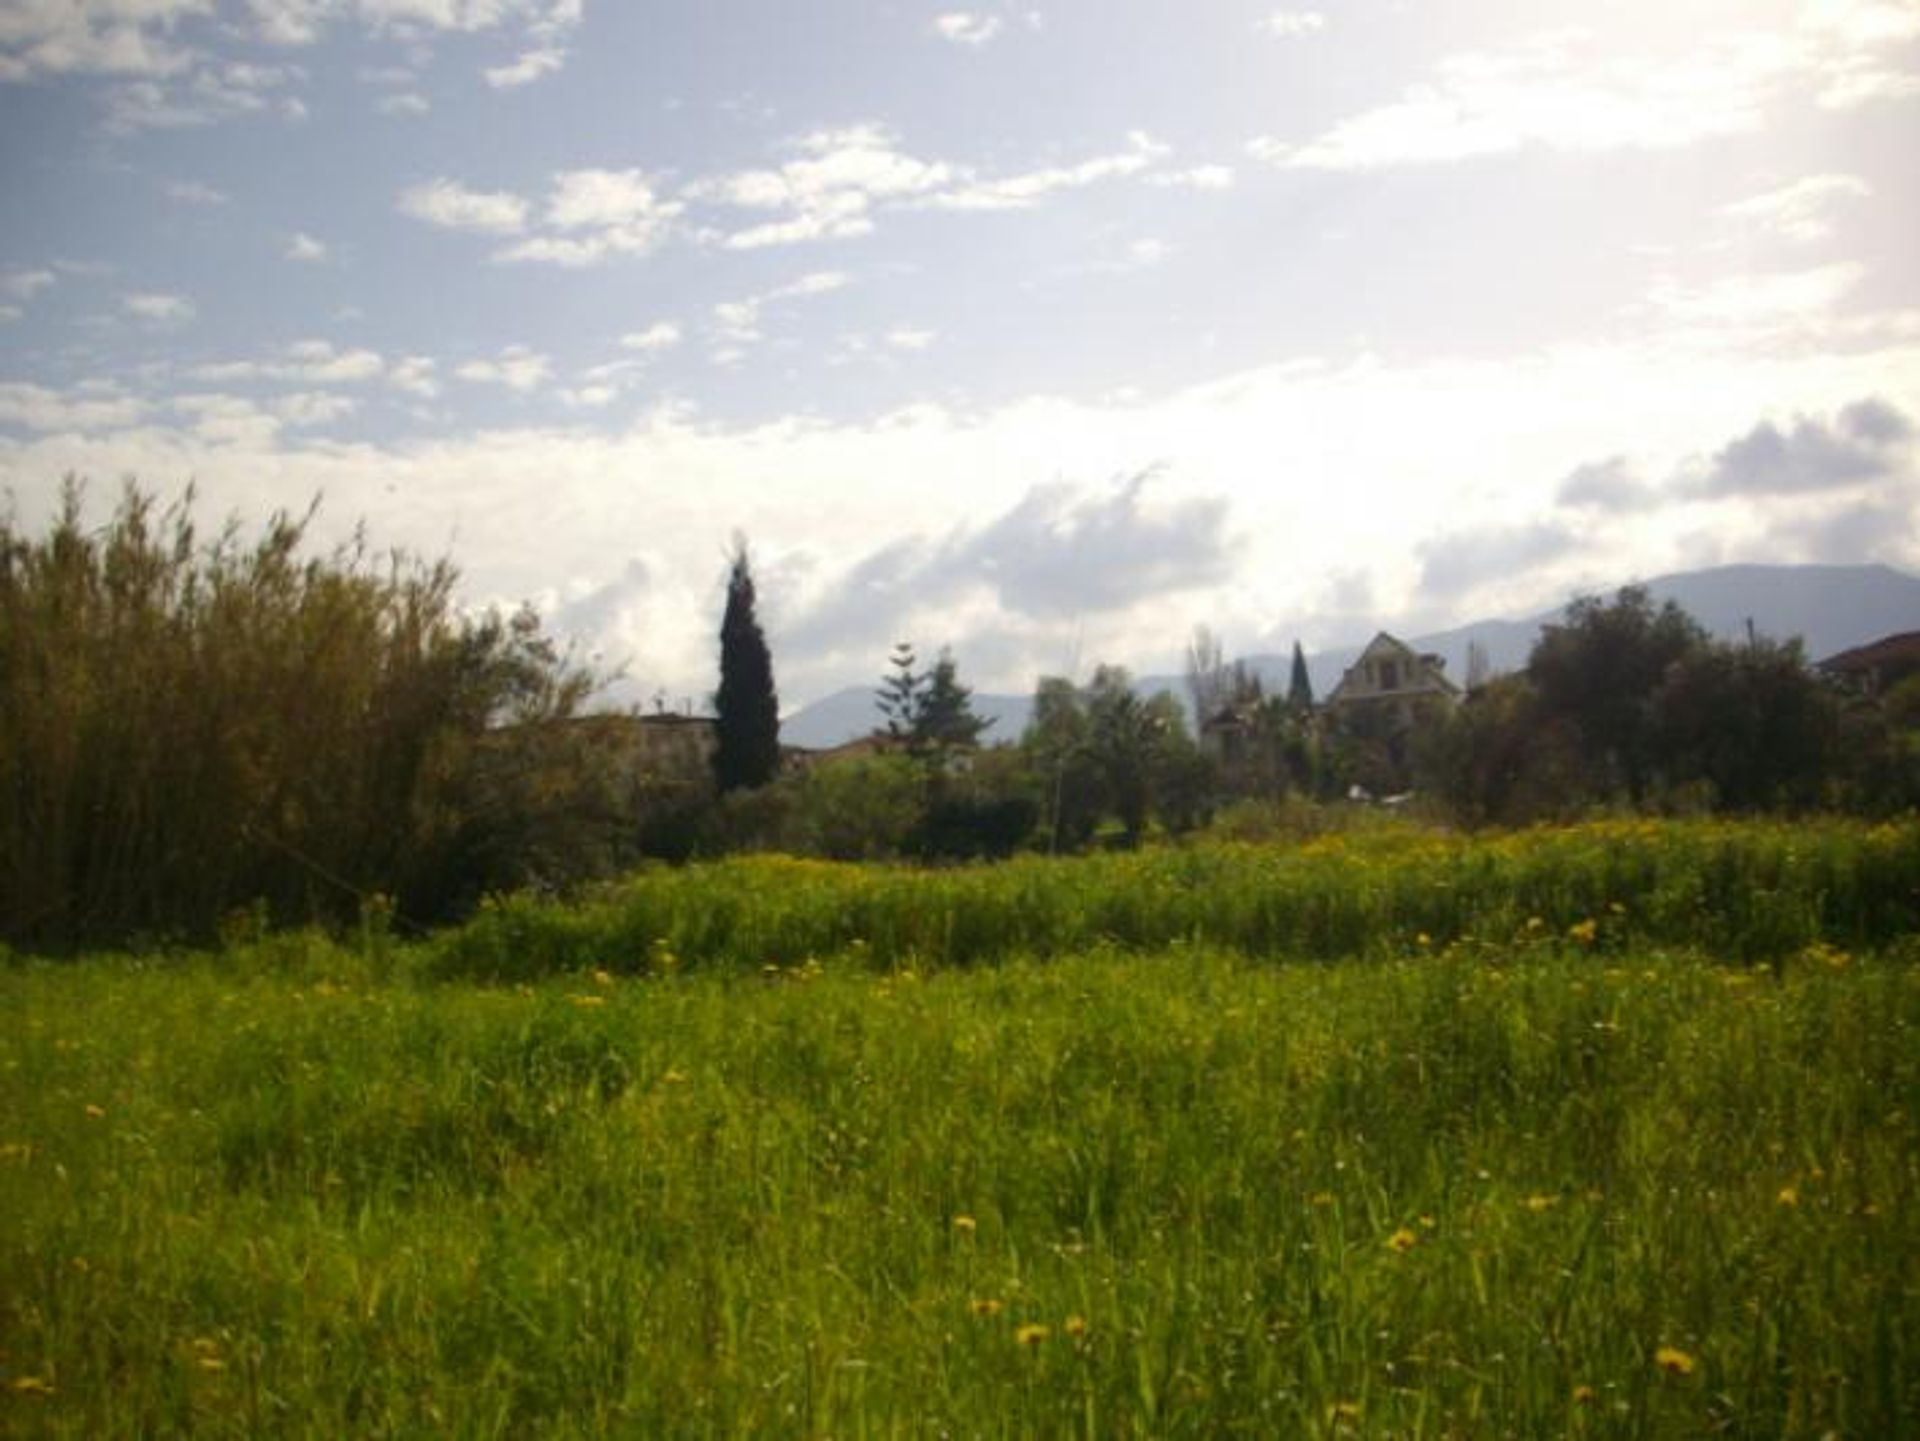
{"x": 190, "y": 726}
{"x": 1747, "y": 891}
{"x": 1750, "y": 721}
{"x": 1502, "y": 1188}
{"x": 931, "y": 715}
{"x": 746, "y": 707}
{"x": 1598, "y": 670}
{"x": 1106, "y": 752}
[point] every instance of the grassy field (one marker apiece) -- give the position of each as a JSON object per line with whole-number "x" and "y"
{"x": 1601, "y": 1132}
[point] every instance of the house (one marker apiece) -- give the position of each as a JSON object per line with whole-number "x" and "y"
{"x": 1388, "y": 688}
{"x": 1875, "y": 669}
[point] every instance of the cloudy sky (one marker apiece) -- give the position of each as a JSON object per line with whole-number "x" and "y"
{"x": 1044, "y": 331}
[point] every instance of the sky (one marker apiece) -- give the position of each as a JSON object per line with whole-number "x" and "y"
{"x": 1041, "y": 331}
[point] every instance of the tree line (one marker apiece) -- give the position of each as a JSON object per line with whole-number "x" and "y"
{"x": 203, "y": 732}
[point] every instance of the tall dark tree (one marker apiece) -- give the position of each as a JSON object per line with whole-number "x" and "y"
{"x": 746, "y": 709}
{"x": 1299, "y": 686}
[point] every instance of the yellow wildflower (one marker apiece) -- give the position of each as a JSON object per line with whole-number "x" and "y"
{"x": 1402, "y": 1241}
{"x": 1583, "y": 931}
{"x": 1674, "y": 1361}
{"x": 588, "y": 1000}
{"x": 95, "y": 1112}
{"x": 1031, "y": 1334}
{"x": 1344, "y": 1412}
{"x": 965, "y": 1225}
{"x": 1584, "y": 1395}
{"x": 986, "y": 1306}
{"x": 1075, "y": 1326}
{"x": 1789, "y": 1196}
{"x": 1537, "y": 1204}
{"x": 603, "y": 978}
{"x": 32, "y": 1386}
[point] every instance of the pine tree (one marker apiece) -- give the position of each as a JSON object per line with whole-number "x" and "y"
{"x": 746, "y": 709}
{"x": 943, "y": 713}
{"x": 898, "y": 698}
{"x": 1299, "y": 687}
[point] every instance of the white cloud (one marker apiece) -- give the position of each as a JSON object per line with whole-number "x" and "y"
{"x": 519, "y": 368}
{"x": 1761, "y": 306}
{"x": 1284, "y": 23}
{"x": 10, "y": 313}
{"x": 314, "y": 407}
{"x": 230, "y": 421}
{"x": 1017, "y": 192}
{"x": 908, "y": 337}
{"x": 661, "y": 335}
{"x": 966, "y": 27}
{"x": 590, "y": 215}
{"x": 25, "y": 284}
{"x": 1329, "y": 466}
{"x": 736, "y": 323}
{"x": 35, "y": 407}
{"x": 158, "y": 308}
{"x": 1800, "y": 211}
{"x": 1564, "y": 91}
{"x": 194, "y": 192}
{"x": 307, "y": 362}
{"x": 1198, "y": 177}
{"x": 168, "y": 37}
{"x": 531, "y": 66}
{"x": 1853, "y": 39}
{"x": 414, "y": 374}
{"x": 1552, "y": 92}
{"x": 449, "y": 203}
{"x": 407, "y": 102}
{"x": 303, "y": 247}
{"x": 828, "y": 190}
{"x": 93, "y": 37}
{"x": 320, "y": 363}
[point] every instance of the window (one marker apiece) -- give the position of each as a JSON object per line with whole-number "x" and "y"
{"x": 1389, "y": 675}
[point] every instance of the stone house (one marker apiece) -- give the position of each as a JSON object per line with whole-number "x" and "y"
{"x": 1388, "y": 688}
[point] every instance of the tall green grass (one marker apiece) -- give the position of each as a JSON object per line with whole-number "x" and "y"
{"x": 1743, "y": 890}
{"x": 1442, "y": 1196}
{"x": 1540, "y": 1173}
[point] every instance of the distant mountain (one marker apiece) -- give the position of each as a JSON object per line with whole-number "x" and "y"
{"x": 1830, "y": 607}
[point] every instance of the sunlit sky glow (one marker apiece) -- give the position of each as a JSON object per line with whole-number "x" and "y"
{"x": 1044, "y": 331}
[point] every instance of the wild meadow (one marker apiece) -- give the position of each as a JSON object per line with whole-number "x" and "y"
{"x": 1611, "y": 1130}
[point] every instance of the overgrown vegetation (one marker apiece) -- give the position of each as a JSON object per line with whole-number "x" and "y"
{"x": 1547, "y": 1165}
{"x": 193, "y": 726}
{"x": 1747, "y": 891}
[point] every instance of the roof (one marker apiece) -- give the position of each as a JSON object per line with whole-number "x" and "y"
{"x": 1889, "y": 649}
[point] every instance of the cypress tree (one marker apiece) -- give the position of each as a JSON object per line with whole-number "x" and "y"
{"x": 746, "y": 710}
{"x": 1299, "y": 687}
